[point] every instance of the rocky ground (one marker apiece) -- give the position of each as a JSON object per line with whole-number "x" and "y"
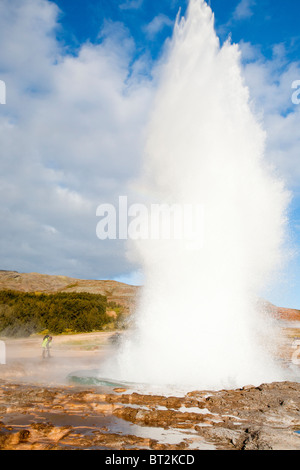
{"x": 62, "y": 418}
{"x": 40, "y": 410}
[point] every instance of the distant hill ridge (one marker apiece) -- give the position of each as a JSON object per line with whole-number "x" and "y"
{"x": 118, "y": 292}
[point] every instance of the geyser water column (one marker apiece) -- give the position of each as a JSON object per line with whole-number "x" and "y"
{"x": 198, "y": 323}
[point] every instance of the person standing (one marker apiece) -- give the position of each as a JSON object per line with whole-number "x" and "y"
{"x": 46, "y": 346}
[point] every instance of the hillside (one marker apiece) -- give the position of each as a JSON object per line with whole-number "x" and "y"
{"x": 284, "y": 314}
{"x": 121, "y": 294}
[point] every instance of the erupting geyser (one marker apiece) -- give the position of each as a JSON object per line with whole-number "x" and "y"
{"x": 198, "y": 323}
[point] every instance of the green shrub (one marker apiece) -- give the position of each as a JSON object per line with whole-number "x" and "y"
{"x": 25, "y": 313}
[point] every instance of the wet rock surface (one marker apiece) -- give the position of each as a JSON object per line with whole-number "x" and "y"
{"x": 58, "y": 418}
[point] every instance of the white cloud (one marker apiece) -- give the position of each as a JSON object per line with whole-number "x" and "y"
{"x": 158, "y": 23}
{"x": 50, "y": 229}
{"x": 71, "y": 136}
{"x": 244, "y": 9}
{"x": 131, "y": 4}
{"x": 270, "y": 83}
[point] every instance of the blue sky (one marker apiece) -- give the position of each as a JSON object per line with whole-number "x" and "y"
{"x": 79, "y": 87}
{"x": 264, "y": 22}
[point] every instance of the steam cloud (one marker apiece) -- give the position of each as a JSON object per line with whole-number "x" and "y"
{"x": 198, "y": 322}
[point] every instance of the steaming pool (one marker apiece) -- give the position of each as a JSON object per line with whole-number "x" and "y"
{"x": 92, "y": 378}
